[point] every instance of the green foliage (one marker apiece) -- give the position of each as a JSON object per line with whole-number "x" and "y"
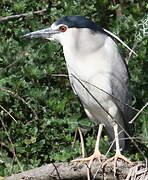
{"x": 44, "y": 106}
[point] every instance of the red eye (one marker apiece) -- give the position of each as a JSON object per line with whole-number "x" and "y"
{"x": 63, "y": 28}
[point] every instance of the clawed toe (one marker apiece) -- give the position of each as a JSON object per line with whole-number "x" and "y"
{"x": 96, "y": 156}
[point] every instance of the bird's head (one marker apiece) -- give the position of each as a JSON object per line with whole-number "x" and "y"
{"x": 76, "y": 32}
{"x": 68, "y": 30}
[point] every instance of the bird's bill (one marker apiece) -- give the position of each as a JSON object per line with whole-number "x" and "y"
{"x": 43, "y": 33}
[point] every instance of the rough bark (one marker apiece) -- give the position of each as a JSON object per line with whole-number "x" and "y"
{"x": 78, "y": 171}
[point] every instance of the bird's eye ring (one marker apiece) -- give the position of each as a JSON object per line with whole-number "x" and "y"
{"x": 63, "y": 28}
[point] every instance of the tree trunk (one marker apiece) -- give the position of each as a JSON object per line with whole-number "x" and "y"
{"x": 78, "y": 171}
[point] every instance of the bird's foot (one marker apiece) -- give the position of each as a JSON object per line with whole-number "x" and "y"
{"x": 115, "y": 158}
{"x": 95, "y": 156}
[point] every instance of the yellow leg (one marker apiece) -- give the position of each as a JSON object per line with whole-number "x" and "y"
{"x": 118, "y": 154}
{"x": 96, "y": 155}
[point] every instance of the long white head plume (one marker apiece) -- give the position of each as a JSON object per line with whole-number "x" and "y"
{"x": 116, "y": 37}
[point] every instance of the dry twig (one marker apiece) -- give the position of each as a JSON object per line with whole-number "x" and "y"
{"x": 20, "y": 98}
{"x": 21, "y": 15}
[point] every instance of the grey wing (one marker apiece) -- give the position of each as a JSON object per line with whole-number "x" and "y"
{"x": 122, "y": 93}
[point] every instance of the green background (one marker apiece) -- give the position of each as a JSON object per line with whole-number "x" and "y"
{"x": 45, "y": 110}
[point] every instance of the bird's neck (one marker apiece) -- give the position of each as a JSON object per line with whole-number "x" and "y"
{"x": 82, "y": 42}
{"x": 85, "y": 61}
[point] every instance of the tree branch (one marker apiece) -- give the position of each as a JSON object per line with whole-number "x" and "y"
{"x": 21, "y": 15}
{"x": 77, "y": 171}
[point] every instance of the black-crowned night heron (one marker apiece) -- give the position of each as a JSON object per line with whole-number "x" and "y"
{"x": 98, "y": 75}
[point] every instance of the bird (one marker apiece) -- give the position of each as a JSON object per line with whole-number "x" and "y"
{"x": 98, "y": 76}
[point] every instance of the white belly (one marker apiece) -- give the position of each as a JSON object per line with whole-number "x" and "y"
{"x": 91, "y": 79}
